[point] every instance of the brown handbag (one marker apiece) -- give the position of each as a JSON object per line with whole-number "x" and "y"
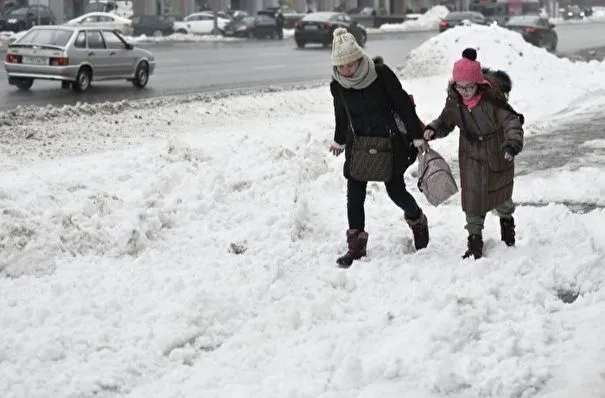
{"x": 371, "y": 158}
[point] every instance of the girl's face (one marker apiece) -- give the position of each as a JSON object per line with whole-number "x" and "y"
{"x": 348, "y": 70}
{"x": 466, "y": 89}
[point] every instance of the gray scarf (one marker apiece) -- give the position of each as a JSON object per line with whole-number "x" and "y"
{"x": 362, "y": 78}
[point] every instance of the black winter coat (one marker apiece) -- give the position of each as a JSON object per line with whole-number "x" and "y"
{"x": 371, "y": 113}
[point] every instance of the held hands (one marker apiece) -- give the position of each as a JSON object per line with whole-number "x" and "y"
{"x": 421, "y": 145}
{"x": 336, "y": 148}
{"x": 428, "y": 134}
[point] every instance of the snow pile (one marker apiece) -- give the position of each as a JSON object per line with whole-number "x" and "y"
{"x": 500, "y": 48}
{"x": 6, "y": 38}
{"x": 188, "y": 250}
{"x": 425, "y": 22}
{"x": 181, "y": 37}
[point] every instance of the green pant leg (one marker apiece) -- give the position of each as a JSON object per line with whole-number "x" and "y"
{"x": 474, "y": 224}
{"x": 506, "y": 209}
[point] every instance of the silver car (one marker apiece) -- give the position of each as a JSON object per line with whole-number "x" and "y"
{"x": 75, "y": 55}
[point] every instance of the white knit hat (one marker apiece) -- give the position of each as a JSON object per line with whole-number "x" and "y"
{"x": 345, "y": 48}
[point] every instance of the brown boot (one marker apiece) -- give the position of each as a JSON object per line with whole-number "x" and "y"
{"x": 357, "y": 241}
{"x": 474, "y": 247}
{"x": 507, "y": 231}
{"x": 420, "y": 229}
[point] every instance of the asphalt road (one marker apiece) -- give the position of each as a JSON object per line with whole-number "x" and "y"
{"x": 185, "y": 68}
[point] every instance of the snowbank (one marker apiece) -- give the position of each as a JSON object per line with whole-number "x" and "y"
{"x": 182, "y": 38}
{"x": 501, "y": 48}
{"x": 426, "y": 22}
{"x": 188, "y": 250}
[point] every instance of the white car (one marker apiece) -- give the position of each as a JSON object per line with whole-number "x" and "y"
{"x": 200, "y": 23}
{"x": 104, "y": 20}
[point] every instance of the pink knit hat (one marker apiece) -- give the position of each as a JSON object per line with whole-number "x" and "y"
{"x": 468, "y": 69}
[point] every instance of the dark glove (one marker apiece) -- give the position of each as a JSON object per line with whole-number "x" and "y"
{"x": 509, "y": 152}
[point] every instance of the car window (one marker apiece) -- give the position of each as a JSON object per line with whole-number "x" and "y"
{"x": 103, "y": 18}
{"x": 112, "y": 41}
{"x": 90, "y": 19}
{"x": 80, "y": 40}
{"x": 54, "y": 37}
{"x": 95, "y": 40}
{"x": 346, "y": 18}
{"x": 19, "y": 11}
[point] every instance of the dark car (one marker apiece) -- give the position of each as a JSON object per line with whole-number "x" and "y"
{"x": 151, "y": 25}
{"x": 456, "y": 18}
{"x": 23, "y": 18}
{"x": 318, "y": 27}
{"x": 535, "y": 30}
{"x": 573, "y": 12}
{"x": 259, "y": 26}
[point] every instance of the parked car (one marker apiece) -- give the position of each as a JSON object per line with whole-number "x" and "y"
{"x": 456, "y": 18}
{"x": 259, "y": 26}
{"x": 318, "y": 27}
{"x": 75, "y": 56}
{"x": 201, "y": 23}
{"x": 152, "y": 25}
{"x": 291, "y": 16}
{"x": 23, "y": 18}
{"x": 104, "y": 20}
{"x": 535, "y": 30}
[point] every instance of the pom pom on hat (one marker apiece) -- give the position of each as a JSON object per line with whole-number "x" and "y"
{"x": 339, "y": 32}
{"x": 470, "y": 53}
{"x": 345, "y": 48}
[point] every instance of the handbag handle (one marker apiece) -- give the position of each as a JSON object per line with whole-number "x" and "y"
{"x": 344, "y": 104}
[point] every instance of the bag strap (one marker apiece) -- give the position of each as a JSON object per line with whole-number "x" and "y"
{"x": 344, "y": 104}
{"x": 464, "y": 129}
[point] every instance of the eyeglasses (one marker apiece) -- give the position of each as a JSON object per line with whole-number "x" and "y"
{"x": 468, "y": 88}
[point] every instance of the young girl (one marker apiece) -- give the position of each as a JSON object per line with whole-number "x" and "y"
{"x": 491, "y": 135}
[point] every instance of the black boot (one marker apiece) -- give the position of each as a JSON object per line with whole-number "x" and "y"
{"x": 474, "y": 247}
{"x": 357, "y": 242}
{"x": 507, "y": 231}
{"x": 420, "y": 230}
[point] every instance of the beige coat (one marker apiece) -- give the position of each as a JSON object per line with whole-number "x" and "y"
{"x": 486, "y": 178}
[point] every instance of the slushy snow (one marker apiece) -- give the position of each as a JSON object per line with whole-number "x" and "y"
{"x": 189, "y": 250}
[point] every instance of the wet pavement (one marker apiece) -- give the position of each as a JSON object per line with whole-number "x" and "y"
{"x": 579, "y": 143}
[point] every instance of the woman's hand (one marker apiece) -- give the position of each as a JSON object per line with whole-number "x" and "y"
{"x": 421, "y": 145}
{"x": 336, "y": 148}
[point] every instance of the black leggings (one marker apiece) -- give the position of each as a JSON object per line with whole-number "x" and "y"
{"x": 356, "y": 196}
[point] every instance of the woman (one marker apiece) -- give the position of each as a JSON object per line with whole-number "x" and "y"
{"x": 366, "y": 96}
{"x": 491, "y": 135}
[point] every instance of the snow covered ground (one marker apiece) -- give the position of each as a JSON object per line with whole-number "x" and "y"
{"x": 189, "y": 250}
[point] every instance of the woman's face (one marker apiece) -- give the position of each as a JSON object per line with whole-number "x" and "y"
{"x": 466, "y": 89}
{"x": 348, "y": 70}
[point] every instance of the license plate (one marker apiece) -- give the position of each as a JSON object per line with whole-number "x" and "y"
{"x": 34, "y": 60}
{"x": 311, "y": 27}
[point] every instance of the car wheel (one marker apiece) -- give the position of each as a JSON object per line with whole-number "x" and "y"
{"x": 553, "y": 46}
{"x": 215, "y": 32}
{"x": 300, "y": 44}
{"x": 157, "y": 33}
{"x": 141, "y": 76}
{"x": 83, "y": 79}
{"x": 182, "y": 31}
{"x": 25, "y": 84}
